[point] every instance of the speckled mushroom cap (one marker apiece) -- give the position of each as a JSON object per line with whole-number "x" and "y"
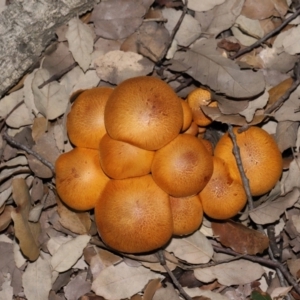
{"x": 183, "y": 167}
{"x": 144, "y": 111}
{"x": 85, "y": 122}
{"x": 261, "y": 158}
{"x": 134, "y": 215}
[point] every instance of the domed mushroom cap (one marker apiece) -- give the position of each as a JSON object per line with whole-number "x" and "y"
{"x": 183, "y": 167}
{"x": 222, "y": 198}
{"x": 187, "y": 115}
{"x": 79, "y": 178}
{"x": 143, "y": 111}
{"x": 187, "y": 214}
{"x": 120, "y": 160}
{"x": 134, "y": 215}
{"x": 85, "y": 122}
{"x": 261, "y": 158}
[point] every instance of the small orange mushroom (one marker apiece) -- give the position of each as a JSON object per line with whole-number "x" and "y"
{"x": 85, "y": 122}
{"x": 222, "y": 198}
{"x": 79, "y": 178}
{"x": 187, "y": 214}
{"x": 261, "y": 158}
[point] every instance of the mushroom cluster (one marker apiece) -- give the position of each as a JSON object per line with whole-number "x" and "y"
{"x": 136, "y": 164}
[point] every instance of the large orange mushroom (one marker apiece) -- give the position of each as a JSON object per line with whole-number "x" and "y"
{"x": 133, "y": 215}
{"x": 144, "y": 111}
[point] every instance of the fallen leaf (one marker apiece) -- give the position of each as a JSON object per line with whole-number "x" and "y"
{"x": 19, "y": 117}
{"x": 189, "y": 29}
{"x": 290, "y": 181}
{"x": 258, "y": 10}
{"x": 36, "y": 273}
{"x": 221, "y": 74}
{"x": 26, "y": 232}
{"x": 240, "y": 238}
{"x": 270, "y": 211}
{"x": 110, "y": 24}
{"x": 232, "y": 273}
{"x": 280, "y": 292}
{"x": 128, "y": 280}
{"x": 77, "y": 222}
{"x": 286, "y": 134}
{"x": 116, "y": 66}
{"x": 8, "y": 103}
{"x": 286, "y": 40}
{"x": 166, "y": 293}
{"x": 203, "y": 5}
{"x": 195, "y": 292}
{"x": 224, "y": 16}
{"x": 77, "y": 287}
{"x": 68, "y": 253}
{"x": 279, "y": 90}
{"x": 51, "y": 100}
{"x": 6, "y": 288}
{"x": 81, "y": 40}
{"x": 195, "y": 248}
{"x": 5, "y": 217}
{"x": 151, "y": 288}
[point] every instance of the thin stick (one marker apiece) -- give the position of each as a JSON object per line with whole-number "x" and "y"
{"x": 16, "y": 144}
{"x": 161, "y": 258}
{"x": 267, "y": 36}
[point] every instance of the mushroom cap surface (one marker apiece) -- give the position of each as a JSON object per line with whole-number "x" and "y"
{"x": 134, "y": 215}
{"x": 261, "y": 158}
{"x": 85, "y": 121}
{"x": 183, "y": 167}
{"x": 79, "y": 178}
{"x": 143, "y": 111}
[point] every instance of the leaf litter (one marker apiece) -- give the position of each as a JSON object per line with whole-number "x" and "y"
{"x": 52, "y": 252}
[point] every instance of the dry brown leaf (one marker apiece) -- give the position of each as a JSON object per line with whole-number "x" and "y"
{"x": 151, "y": 288}
{"x": 69, "y": 253}
{"x": 77, "y": 286}
{"x": 77, "y": 222}
{"x": 195, "y": 248}
{"x": 59, "y": 59}
{"x": 203, "y": 5}
{"x": 221, "y": 74}
{"x": 39, "y": 127}
{"x": 270, "y": 211}
{"x": 5, "y": 217}
{"x": 128, "y": 280}
{"x": 110, "y": 24}
{"x": 196, "y": 292}
{"x": 36, "y": 273}
{"x": 286, "y": 134}
{"x": 151, "y": 40}
{"x": 166, "y": 293}
{"x": 116, "y": 66}
{"x": 240, "y": 238}
{"x": 279, "y": 90}
{"x": 232, "y": 273}
{"x": 26, "y": 232}
{"x": 81, "y": 40}
{"x": 258, "y": 10}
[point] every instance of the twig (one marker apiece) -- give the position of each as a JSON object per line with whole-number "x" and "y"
{"x": 161, "y": 258}
{"x": 237, "y": 154}
{"x": 281, "y": 270}
{"x": 266, "y": 262}
{"x": 272, "y": 239}
{"x": 16, "y": 144}
{"x": 267, "y": 36}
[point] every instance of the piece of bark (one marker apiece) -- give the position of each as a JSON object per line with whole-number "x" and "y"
{"x": 26, "y": 29}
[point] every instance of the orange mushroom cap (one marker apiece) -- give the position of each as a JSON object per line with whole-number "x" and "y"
{"x": 197, "y": 98}
{"x": 183, "y": 167}
{"x": 187, "y": 115}
{"x": 222, "y": 198}
{"x": 79, "y": 178}
{"x": 85, "y": 122}
{"x": 261, "y": 158}
{"x": 143, "y": 111}
{"x": 121, "y": 160}
{"x": 187, "y": 214}
{"x": 134, "y": 215}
